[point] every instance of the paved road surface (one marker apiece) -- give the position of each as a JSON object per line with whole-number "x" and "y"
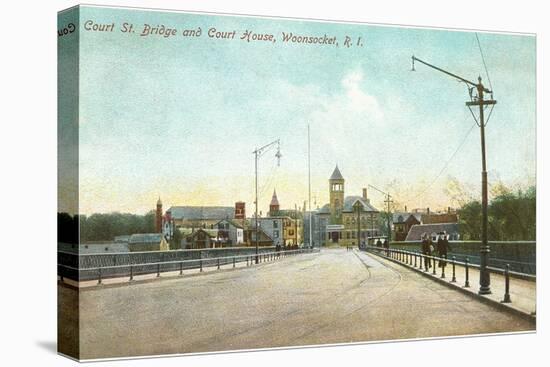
{"x": 335, "y": 296}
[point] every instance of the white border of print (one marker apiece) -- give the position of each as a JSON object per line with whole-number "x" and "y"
{"x": 28, "y": 151}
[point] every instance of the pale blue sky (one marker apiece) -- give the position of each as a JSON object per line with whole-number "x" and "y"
{"x": 180, "y": 117}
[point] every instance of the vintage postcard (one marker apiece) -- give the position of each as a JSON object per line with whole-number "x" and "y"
{"x": 241, "y": 182}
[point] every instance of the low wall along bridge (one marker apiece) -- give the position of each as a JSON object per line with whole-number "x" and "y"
{"x": 304, "y": 297}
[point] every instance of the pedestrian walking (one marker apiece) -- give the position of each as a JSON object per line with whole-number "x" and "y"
{"x": 442, "y": 247}
{"x": 427, "y": 247}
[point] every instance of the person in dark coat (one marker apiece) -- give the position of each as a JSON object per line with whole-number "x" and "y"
{"x": 427, "y": 249}
{"x": 442, "y": 247}
{"x": 378, "y": 243}
{"x": 387, "y": 246}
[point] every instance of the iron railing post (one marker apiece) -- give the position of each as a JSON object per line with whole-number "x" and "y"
{"x": 453, "y": 280}
{"x": 99, "y": 275}
{"x": 443, "y": 266}
{"x": 158, "y": 270}
{"x": 181, "y": 268}
{"x": 467, "y": 282}
{"x": 131, "y": 272}
{"x": 507, "y": 298}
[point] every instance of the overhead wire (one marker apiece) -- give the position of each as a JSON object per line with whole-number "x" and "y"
{"x": 484, "y": 63}
{"x": 446, "y": 163}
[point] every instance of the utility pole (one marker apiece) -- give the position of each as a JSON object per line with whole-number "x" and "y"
{"x": 357, "y": 206}
{"x": 309, "y": 183}
{"x": 387, "y": 201}
{"x": 480, "y": 101}
{"x": 296, "y": 225}
{"x": 257, "y": 154}
{"x": 372, "y": 226}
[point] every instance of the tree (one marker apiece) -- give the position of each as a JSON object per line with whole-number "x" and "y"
{"x": 175, "y": 242}
{"x": 106, "y": 226}
{"x": 383, "y": 222}
{"x": 512, "y": 216}
{"x": 470, "y": 221}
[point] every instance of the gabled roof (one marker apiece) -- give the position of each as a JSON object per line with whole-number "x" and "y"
{"x": 416, "y": 230}
{"x": 351, "y": 200}
{"x": 234, "y": 224}
{"x": 405, "y": 216}
{"x": 212, "y": 233}
{"x": 262, "y": 232}
{"x": 145, "y": 238}
{"x": 202, "y": 212}
{"x": 336, "y": 175}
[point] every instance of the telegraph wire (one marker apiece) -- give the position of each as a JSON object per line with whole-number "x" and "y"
{"x": 447, "y": 163}
{"x": 484, "y": 64}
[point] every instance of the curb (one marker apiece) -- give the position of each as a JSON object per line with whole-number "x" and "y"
{"x": 488, "y": 301}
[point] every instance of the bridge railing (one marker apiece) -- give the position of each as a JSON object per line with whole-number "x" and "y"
{"x": 519, "y": 255}
{"x": 131, "y": 270}
{"x": 427, "y": 263}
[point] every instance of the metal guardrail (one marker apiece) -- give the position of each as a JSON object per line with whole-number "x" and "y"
{"x": 100, "y": 273}
{"x": 520, "y": 255}
{"x": 426, "y": 262}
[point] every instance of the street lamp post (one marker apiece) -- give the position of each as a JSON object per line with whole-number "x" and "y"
{"x": 480, "y": 101}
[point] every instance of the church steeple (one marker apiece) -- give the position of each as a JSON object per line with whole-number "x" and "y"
{"x": 274, "y": 205}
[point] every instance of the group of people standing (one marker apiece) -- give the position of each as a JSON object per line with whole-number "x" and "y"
{"x": 442, "y": 247}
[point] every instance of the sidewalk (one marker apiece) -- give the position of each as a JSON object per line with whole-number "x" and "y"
{"x": 522, "y": 292}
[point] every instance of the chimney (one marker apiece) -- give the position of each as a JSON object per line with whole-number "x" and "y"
{"x": 448, "y": 210}
{"x": 405, "y": 209}
{"x": 365, "y": 193}
{"x": 240, "y": 212}
{"x": 428, "y": 211}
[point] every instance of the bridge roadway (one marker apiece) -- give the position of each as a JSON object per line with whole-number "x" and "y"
{"x": 335, "y": 296}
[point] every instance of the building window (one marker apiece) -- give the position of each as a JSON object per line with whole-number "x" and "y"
{"x": 275, "y": 224}
{"x": 291, "y": 232}
{"x": 276, "y": 234}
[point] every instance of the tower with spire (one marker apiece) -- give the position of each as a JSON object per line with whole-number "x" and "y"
{"x": 274, "y": 205}
{"x": 336, "y": 191}
{"x": 158, "y": 217}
